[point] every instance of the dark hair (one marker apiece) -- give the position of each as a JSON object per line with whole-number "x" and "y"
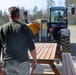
{"x": 13, "y": 12}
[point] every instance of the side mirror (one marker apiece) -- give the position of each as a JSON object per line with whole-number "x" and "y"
{"x": 73, "y": 10}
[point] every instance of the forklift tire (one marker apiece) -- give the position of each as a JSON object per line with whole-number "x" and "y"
{"x": 65, "y": 44}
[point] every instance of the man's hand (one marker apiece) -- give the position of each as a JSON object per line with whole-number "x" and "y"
{"x": 34, "y": 61}
{"x": 1, "y": 66}
{"x": 33, "y": 65}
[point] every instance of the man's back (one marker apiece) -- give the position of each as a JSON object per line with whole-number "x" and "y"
{"x": 15, "y": 36}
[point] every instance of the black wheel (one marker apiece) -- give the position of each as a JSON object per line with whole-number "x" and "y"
{"x": 65, "y": 44}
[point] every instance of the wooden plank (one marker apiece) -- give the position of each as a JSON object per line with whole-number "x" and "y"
{"x": 49, "y": 52}
{"x": 71, "y": 64}
{"x": 64, "y": 65}
{"x": 41, "y": 74}
{"x": 52, "y": 57}
{"x": 41, "y": 52}
{"x": 68, "y": 65}
{"x": 45, "y": 52}
{"x": 54, "y": 68}
{"x": 54, "y": 51}
{"x": 37, "y": 45}
{"x": 38, "y": 49}
{"x": 58, "y": 55}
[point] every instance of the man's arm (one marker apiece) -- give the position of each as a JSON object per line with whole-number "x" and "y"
{"x": 34, "y": 61}
{"x": 33, "y": 53}
{"x": 0, "y": 45}
{"x": 31, "y": 46}
{"x": 0, "y": 40}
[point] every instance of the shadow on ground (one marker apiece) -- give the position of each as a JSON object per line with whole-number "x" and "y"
{"x": 73, "y": 49}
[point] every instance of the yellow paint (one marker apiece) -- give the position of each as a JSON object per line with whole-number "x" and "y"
{"x": 43, "y": 26}
{"x": 33, "y": 28}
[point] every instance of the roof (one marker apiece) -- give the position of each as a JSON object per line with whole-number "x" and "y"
{"x": 58, "y": 8}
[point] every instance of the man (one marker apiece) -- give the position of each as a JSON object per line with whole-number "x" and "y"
{"x": 58, "y": 17}
{"x": 16, "y": 40}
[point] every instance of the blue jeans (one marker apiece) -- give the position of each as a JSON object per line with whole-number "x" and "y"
{"x": 13, "y": 67}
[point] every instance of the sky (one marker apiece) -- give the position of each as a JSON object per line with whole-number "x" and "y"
{"x": 28, "y": 4}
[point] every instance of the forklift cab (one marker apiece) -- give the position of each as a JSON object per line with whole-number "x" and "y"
{"x": 58, "y": 20}
{"x": 59, "y": 28}
{"x": 55, "y": 12}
